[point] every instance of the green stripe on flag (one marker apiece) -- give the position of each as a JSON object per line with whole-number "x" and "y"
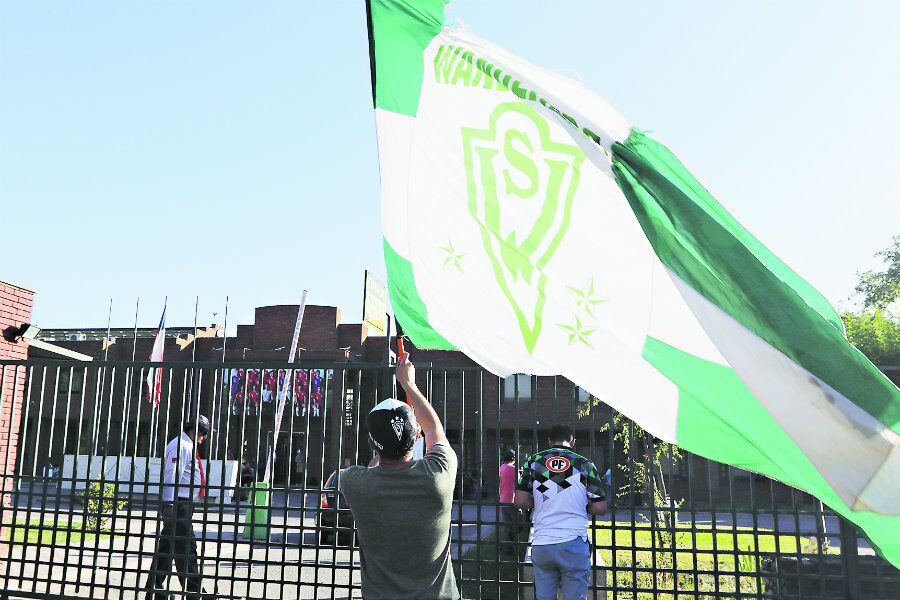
{"x": 720, "y": 419}
{"x": 707, "y": 248}
{"x": 402, "y": 30}
{"x": 409, "y": 309}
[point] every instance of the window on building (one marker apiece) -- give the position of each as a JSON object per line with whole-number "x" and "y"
{"x": 67, "y": 375}
{"x": 517, "y": 388}
{"x": 583, "y": 395}
{"x": 447, "y": 386}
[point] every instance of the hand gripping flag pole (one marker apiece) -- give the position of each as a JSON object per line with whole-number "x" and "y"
{"x": 419, "y": 447}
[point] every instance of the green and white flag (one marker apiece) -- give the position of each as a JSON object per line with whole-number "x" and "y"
{"x": 530, "y": 225}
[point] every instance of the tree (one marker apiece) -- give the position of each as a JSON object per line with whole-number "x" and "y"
{"x": 880, "y": 288}
{"x": 876, "y": 333}
{"x": 642, "y": 461}
{"x": 100, "y": 504}
{"x": 875, "y": 330}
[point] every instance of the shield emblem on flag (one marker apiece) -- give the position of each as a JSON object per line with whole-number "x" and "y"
{"x": 521, "y": 184}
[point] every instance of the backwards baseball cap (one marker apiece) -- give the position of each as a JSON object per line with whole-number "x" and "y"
{"x": 392, "y": 428}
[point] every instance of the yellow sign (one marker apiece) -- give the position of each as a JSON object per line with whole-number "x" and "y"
{"x": 375, "y": 304}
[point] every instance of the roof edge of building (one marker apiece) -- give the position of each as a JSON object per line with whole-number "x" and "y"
{"x": 17, "y": 286}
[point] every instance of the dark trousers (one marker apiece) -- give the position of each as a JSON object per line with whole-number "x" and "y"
{"x": 176, "y": 542}
{"x": 510, "y": 527}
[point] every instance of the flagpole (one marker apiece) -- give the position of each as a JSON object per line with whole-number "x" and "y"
{"x": 108, "y": 323}
{"x": 131, "y": 370}
{"x": 194, "y": 344}
{"x": 370, "y": 30}
{"x": 282, "y": 395}
{"x": 193, "y": 357}
{"x": 137, "y": 306}
{"x": 102, "y": 382}
{"x": 105, "y": 354}
{"x": 225, "y": 330}
{"x": 226, "y": 387}
{"x": 154, "y": 416}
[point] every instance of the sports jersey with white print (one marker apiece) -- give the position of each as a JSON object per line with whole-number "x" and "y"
{"x": 562, "y": 484}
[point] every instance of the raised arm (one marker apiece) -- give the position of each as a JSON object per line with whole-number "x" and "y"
{"x": 428, "y": 419}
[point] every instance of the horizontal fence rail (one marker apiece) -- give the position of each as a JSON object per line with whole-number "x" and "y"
{"x": 83, "y": 453}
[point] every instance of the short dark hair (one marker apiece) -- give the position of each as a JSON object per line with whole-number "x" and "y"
{"x": 562, "y": 433}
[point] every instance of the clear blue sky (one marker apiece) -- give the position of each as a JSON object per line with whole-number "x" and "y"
{"x": 220, "y": 148}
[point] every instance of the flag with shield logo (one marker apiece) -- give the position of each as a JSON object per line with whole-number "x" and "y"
{"x": 528, "y": 224}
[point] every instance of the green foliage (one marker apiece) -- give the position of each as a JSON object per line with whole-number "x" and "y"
{"x": 746, "y": 562}
{"x": 100, "y": 504}
{"x": 725, "y": 541}
{"x": 881, "y": 288}
{"x": 703, "y": 559}
{"x": 47, "y": 533}
{"x": 641, "y": 463}
{"x": 876, "y": 333}
{"x": 642, "y": 460}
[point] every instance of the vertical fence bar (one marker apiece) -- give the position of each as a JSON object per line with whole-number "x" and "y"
{"x": 850, "y": 559}
{"x": 14, "y": 485}
{"x": 33, "y": 477}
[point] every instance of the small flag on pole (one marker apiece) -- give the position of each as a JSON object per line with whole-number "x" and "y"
{"x": 154, "y": 376}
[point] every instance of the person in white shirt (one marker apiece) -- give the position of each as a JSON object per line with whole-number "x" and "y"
{"x": 184, "y": 481}
{"x": 564, "y": 490}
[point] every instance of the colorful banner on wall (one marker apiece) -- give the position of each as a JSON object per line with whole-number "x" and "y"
{"x": 251, "y": 390}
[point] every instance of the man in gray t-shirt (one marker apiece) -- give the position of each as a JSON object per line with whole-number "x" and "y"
{"x": 402, "y": 506}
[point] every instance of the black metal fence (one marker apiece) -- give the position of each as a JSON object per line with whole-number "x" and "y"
{"x": 81, "y": 510}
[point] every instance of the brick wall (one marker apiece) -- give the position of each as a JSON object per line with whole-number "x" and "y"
{"x": 274, "y": 326}
{"x": 15, "y": 309}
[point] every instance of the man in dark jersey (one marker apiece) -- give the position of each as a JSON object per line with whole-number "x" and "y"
{"x": 402, "y": 506}
{"x": 563, "y": 488}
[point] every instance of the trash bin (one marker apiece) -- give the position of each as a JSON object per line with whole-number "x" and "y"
{"x": 256, "y": 521}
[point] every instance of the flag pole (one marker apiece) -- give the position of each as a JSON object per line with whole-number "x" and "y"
{"x": 108, "y": 323}
{"x": 102, "y": 385}
{"x": 194, "y": 410}
{"x": 194, "y": 343}
{"x": 131, "y": 370}
{"x": 225, "y": 330}
{"x": 154, "y": 416}
{"x": 256, "y": 519}
{"x": 370, "y": 31}
{"x": 137, "y": 306}
{"x": 282, "y": 395}
{"x": 224, "y": 393}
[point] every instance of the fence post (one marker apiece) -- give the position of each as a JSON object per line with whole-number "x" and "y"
{"x": 850, "y": 559}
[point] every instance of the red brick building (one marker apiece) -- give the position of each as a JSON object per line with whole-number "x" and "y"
{"x": 480, "y": 411}
{"x": 483, "y": 414}
{"x": 15, "y": 310}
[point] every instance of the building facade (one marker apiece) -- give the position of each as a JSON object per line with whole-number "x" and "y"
{"x": 340, "y": 373}
{"x": 16, "y": 304}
